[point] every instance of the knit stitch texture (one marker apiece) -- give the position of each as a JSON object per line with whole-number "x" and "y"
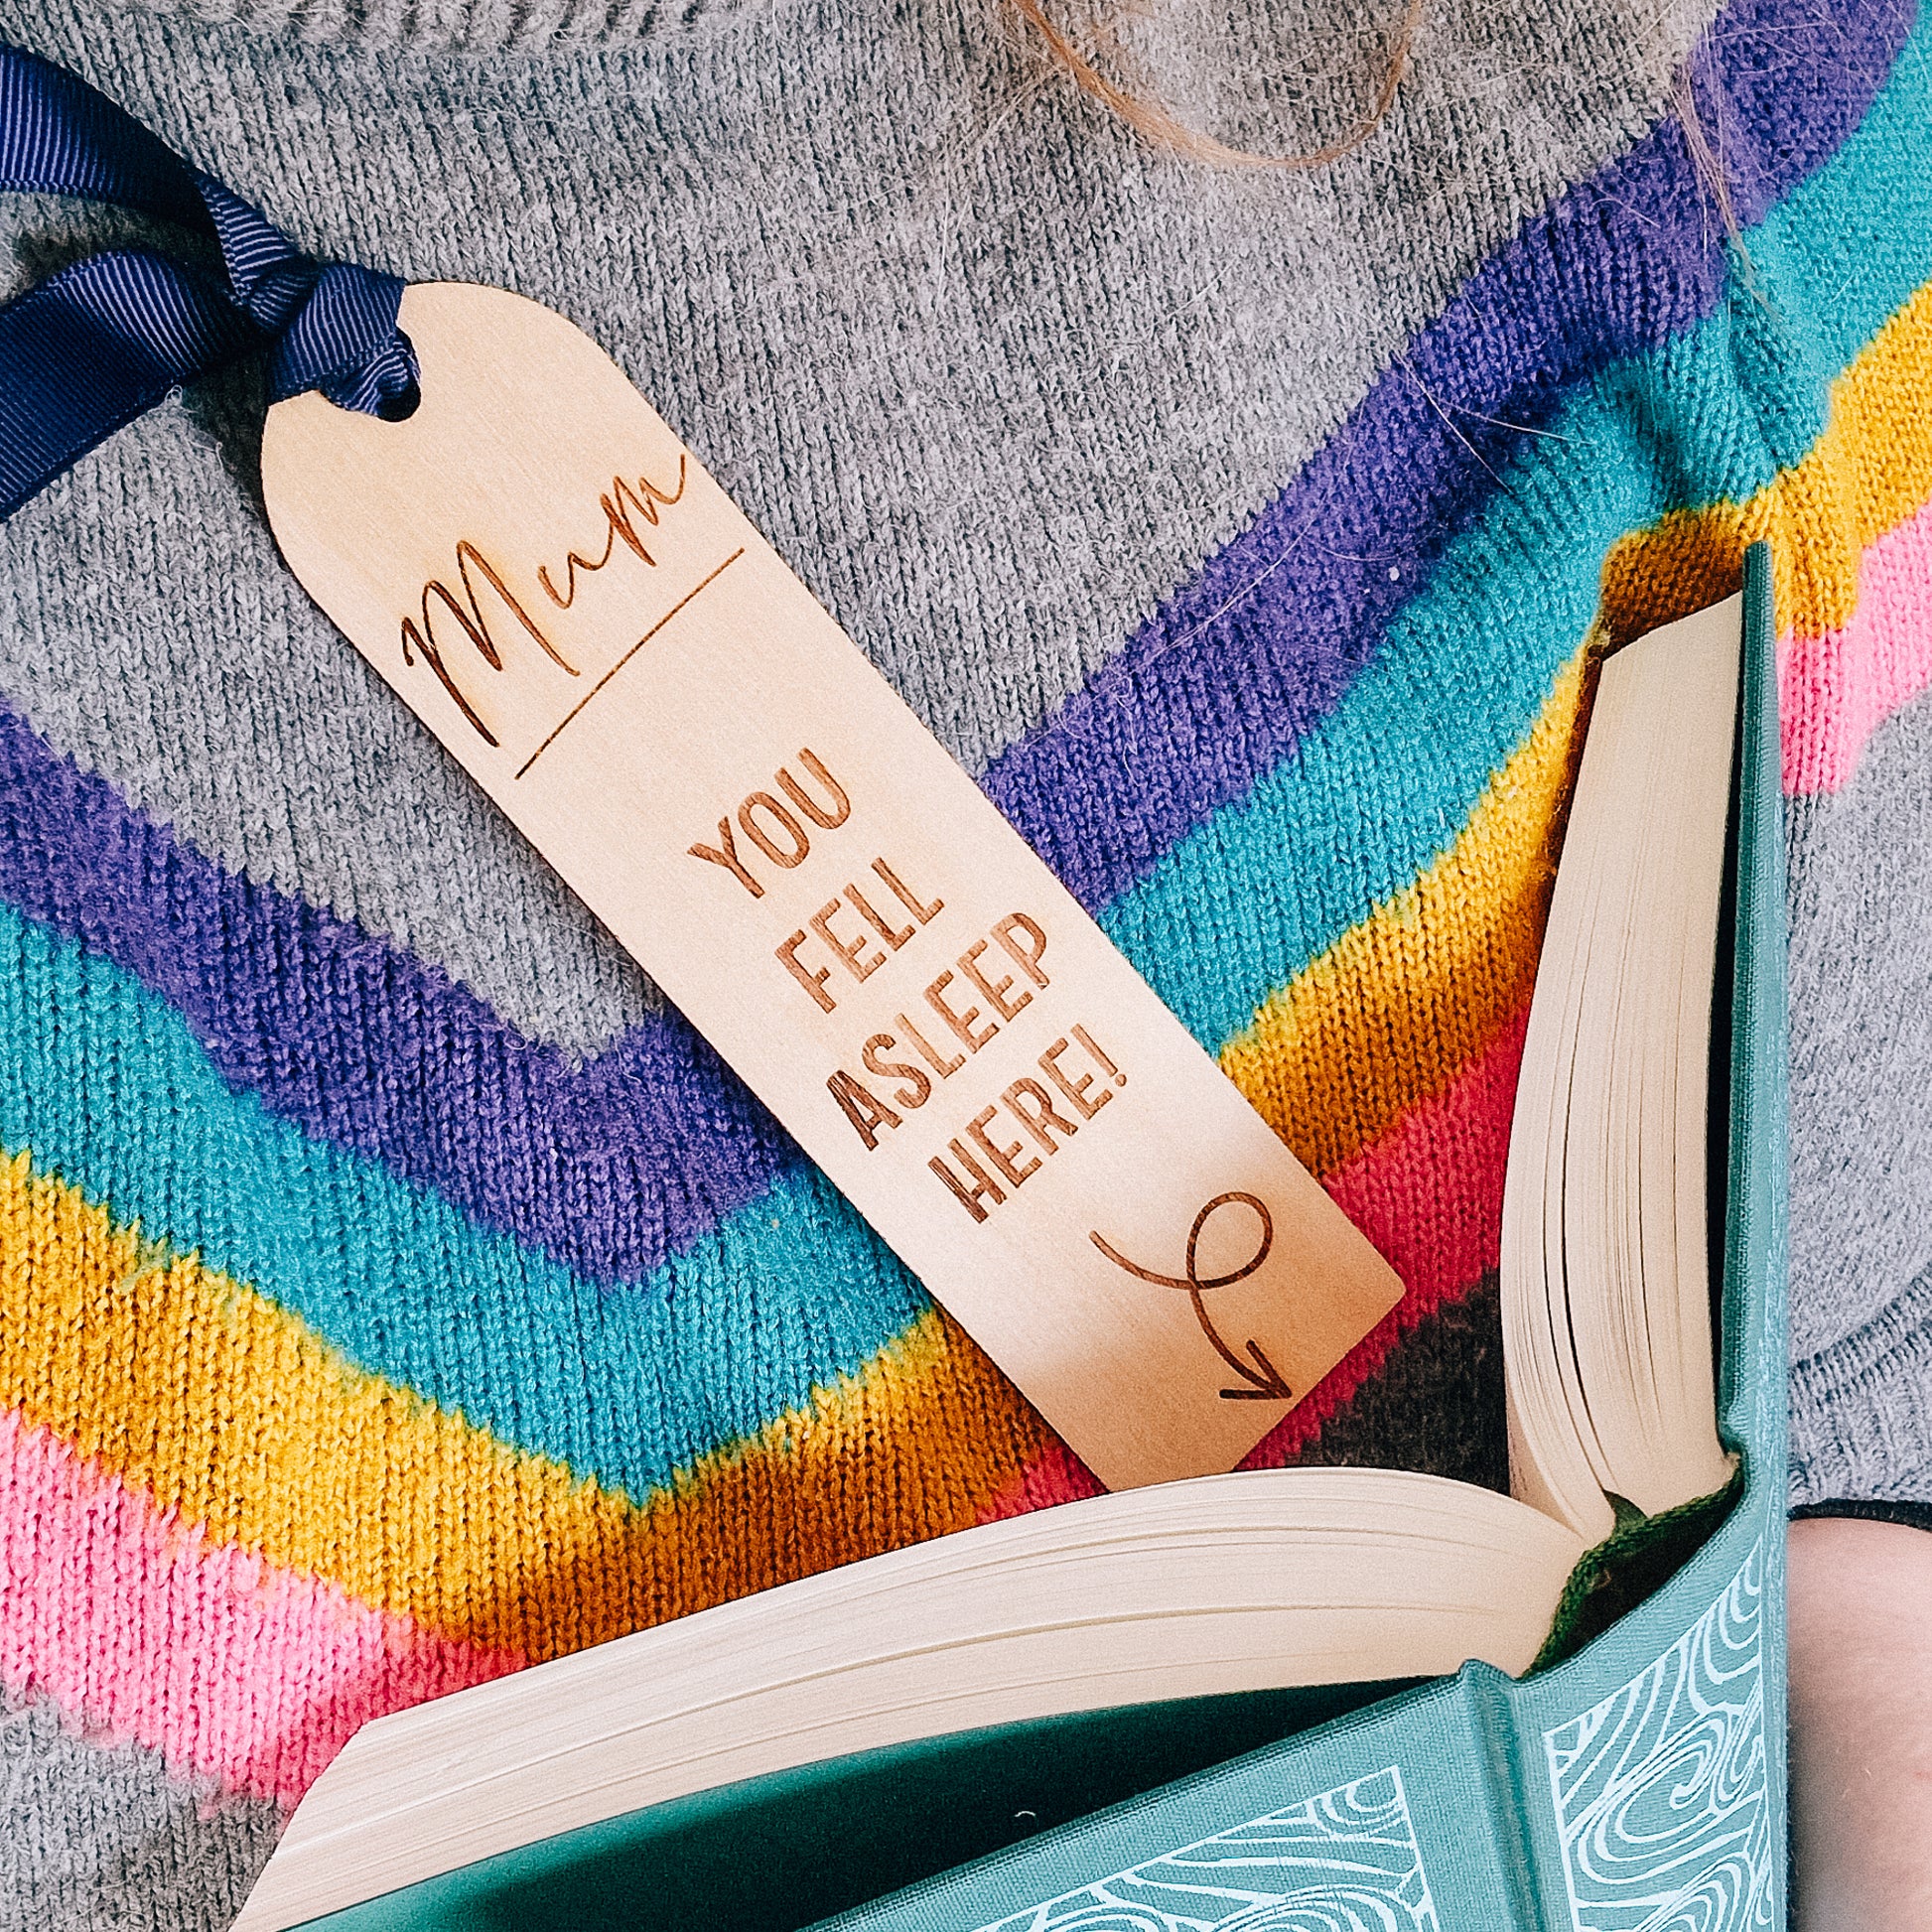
{"x": 394, "y": 1292}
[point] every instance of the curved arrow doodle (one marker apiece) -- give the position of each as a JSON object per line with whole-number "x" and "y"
{"x": 1265, "y": 1382}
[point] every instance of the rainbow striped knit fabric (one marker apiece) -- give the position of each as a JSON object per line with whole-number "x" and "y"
{"x": 394, "y": 1293}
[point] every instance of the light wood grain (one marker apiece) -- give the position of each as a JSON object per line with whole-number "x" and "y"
{"x": 677, "y": 687}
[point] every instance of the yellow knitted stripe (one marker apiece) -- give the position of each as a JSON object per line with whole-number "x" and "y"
{"x": 1415, "y": 991}
{"x": 1870, "y": 472}
{"x": 233, "y": 1412}
{"x": 1402, "y": 1002}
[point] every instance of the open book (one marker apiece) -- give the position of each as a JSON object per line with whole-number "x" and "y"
{"x": 1606, "y": 1220}
{"x": 1239, "y": 1582}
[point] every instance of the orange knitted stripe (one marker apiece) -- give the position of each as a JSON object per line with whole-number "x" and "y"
{"x": 1400, "y": 1004}
{"x": 232, "y": 1412}
{"x": 1870, "y": 472}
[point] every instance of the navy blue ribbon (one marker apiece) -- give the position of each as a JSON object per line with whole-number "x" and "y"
{"x": 106, "y": 339}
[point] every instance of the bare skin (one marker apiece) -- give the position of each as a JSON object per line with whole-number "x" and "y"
{"x": 1861, "y": 1618}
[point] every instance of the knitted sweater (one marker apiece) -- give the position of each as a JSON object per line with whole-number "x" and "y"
{"x": 394, "y": 1292}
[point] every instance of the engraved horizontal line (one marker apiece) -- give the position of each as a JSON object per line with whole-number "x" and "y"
{"x": 703, "y": 583}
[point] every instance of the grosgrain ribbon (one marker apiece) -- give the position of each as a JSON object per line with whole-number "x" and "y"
{"x": 107, "y": 338}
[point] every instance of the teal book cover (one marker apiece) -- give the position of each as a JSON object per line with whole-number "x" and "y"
{"x": 1633, "y": 1782}
{"x": 1638, "y": 1785}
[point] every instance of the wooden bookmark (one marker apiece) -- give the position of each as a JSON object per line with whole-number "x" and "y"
{"x": 588, "y": 622}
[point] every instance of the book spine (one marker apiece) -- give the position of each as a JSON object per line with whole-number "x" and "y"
{"x": 1525, "y": 1871}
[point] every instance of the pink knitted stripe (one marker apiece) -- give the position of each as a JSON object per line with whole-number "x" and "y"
{"x": 140, "y": 1628}
{"x": 1836, "y": 689}
{"x": 1429, "y": 1194}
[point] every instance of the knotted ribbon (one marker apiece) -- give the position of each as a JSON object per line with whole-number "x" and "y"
{"x": 107, "y": 338}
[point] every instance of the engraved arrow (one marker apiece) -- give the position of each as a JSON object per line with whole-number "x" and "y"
{"x": 1266, "y": 1383}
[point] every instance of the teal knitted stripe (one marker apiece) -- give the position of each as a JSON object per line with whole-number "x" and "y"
{"x": 1470, "y": 661}
{"x": 103, "y": 1083}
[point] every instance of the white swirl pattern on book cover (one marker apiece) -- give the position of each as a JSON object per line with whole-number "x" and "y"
{"x": 1343, "y": 1860}
{"x": 1662, "y": 1794}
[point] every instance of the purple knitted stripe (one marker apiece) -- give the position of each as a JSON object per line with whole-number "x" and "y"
{"x": 614, "y": 1165}
{"x": 1261, "y": 645}
{"x": 608, "y": 1167}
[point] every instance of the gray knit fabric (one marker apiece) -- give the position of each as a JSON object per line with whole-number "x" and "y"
{"x": 96, "y": 1837}
{"x": 1861, "y": 1108}
{"x": 1152, "y": 349}
{"x": 1861, "y": 1409}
